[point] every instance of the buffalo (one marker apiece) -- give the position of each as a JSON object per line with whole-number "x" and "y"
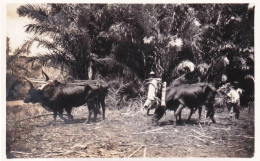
{"x": 56, "y": 96}
{"x": 180, "y": 95}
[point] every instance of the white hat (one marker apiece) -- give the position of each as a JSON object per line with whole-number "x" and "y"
{"x": 152, "y": 73}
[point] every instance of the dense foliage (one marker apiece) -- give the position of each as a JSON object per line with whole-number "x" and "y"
{"x": 130, "y": 40}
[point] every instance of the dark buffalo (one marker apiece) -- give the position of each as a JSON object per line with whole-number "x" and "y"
{"x": 57, "y": 96}
{"x": 176, "y": 82}
{"x": 180, "y": 95}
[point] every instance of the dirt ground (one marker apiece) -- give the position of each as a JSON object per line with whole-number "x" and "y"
{"x": 125, "y": 133}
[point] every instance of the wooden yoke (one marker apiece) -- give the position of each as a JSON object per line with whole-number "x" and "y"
{"x": 163, "y": 104}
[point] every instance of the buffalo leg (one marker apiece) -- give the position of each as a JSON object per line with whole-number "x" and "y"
{"x": 200, "y": 110}
{"x": 180, "y": 120}
{"x": 120, "y": 102}
{"x": 103, "y": 105}
{"x": 69, "y": 113}
{"x": 55, "y": 113}
{"x": 148, "y": 110}
{"x": 98, "y": 105}
{"x": 61, "y": 115}
{"x": 178, "y": 111}
{"x": 96, "y": 110}
{"x": 191, "y": 112}
{"x": 89, "y": 115}
{"x": 158, "y": 113}
{"x": 95, "y": 116}
{"x": 210, "y": 114}
{"x": 90, "y": 111}
{"x": 118, "y": 105}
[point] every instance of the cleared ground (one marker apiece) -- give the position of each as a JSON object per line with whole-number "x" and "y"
{"x": 31, "y": 133}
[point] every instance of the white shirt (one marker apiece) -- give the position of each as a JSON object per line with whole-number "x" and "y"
{"x": 234, "y": 95}
{"x": 152, "y": 89}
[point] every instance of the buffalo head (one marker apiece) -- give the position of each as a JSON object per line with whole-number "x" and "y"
{"x": 33, "y": 94}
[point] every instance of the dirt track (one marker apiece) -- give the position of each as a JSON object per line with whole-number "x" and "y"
{"x": 125, "y": 133}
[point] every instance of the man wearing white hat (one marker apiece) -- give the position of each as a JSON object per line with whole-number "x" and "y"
{"x": 152, "y": 91}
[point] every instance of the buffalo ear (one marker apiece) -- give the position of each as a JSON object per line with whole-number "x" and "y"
{"x": 206, "y": 89}
{"x": 30, "y": 83}
{"x": 56, "y": 83}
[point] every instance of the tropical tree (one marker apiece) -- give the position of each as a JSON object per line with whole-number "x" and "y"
{"x": 61, "y": 30}
{"x": 151, "y": 37}
{"x": 130, "y": 40}
{"x": 14, "y": 72}
{"x": 225, "y": 40}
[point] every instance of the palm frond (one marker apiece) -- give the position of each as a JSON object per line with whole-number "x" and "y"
{"x": 24, "y": 49}
{"x": 42, "y": 29}
{"x": 47, "y": 44}
{"x": 36, "y": 12}
{"x": 142, "y": 17}
{"x": 51, "y": 59}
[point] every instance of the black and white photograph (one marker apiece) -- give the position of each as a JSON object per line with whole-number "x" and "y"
{"x": 129, "y": 80}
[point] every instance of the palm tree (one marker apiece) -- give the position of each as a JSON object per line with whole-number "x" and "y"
{"x": 132, "y": 39}
{"x": 65, "y": 36}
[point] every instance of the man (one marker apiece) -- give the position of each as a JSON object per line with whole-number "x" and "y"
{"x": 153, "y": 87}
{"x": 234, "y": 102}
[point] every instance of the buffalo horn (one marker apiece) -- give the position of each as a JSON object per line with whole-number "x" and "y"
{"x": 45, "y": 75}
{"x": 30, "y": 83}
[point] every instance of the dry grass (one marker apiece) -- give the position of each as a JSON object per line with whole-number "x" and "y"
{"x": 125, "y": 133}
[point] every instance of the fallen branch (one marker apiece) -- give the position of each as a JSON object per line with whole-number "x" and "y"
{"x": 81, "y": 154}
{"x": 52, "y": 155}
{"x": 153, "y": 130}
{"x": 245, "y": 136}
{"x": 231, "y": 146}
{"x": 171, "y": 145}
{"x": 57, "y": 153}
{"x": 77, "y": 134}
{"x": 242, "y": 149}
{"x": 149, "y": 131}
{"x": 117, "y": 152}
{"x": 128, "y": 145}
{"x": 213, "y": 142}
{"x": 135, "y": 151}
{"x": 221, "y": 128}
{"x": 19, "y": 152}
{"x": 79, "y": 147}
{"x": 202, "y": 129}
{"x": 144, "y": 152}
{"x": 197, "y": 138}
{"x": 54, "y": 152}
{"x": 163, "y": 132}
{"x": 225, "y": 124}
{"x": 154, "y": 145}
{"x": 34, "y": 117}
{"x": 203, "y": 135}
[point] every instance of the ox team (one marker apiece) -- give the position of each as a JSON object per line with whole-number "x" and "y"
{"x": 57, "y": 96}
{"x": 180, "y": 94}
